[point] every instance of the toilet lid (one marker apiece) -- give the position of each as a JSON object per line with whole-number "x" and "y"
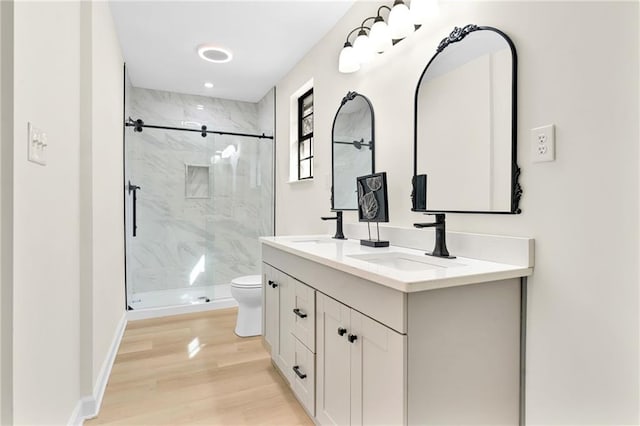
{"x": 247, "y": 281}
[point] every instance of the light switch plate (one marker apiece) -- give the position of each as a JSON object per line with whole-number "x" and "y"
{"x": 543, "y": 144}
{"x": 37, "y": 145}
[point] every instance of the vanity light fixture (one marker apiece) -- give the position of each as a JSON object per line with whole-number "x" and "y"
{"x": 400, "y": 21}
{"x": 362, "y": 46}
{"x": 352, "y": 56}
{"x": 215, "y": 54}
{"x": 382, "y": 35}
{"x": 348, "y": 60}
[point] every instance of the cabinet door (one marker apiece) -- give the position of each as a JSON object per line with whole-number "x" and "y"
{"x": 285, "y": 347}
{"x": 270, "y": 306}
{"x": 333, "y": 370}
{"x": 304, "y": 311}
{"x": 304, "y": 376}
{"x": 378, "y": 373}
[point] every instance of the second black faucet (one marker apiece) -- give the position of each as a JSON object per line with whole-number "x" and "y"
{"x": 440, "y": 248}
{"x": 338, "y": 218}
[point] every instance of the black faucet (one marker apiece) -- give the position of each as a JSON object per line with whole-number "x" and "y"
{"x": 440, "y": 249}
{"x": 338, "y": 218}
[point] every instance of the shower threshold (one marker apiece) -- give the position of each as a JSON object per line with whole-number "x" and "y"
{"x": 153, "y": 304}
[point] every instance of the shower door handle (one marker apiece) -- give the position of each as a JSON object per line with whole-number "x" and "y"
{"x": 134, "y": 188}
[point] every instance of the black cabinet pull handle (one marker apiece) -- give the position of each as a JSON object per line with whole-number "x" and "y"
{"x": 352, "y": 338}
{"x": 296, "y": 369}
{"x": 270, "y": 282}
{"x": 273, "y": 284}
{"x": 341, "y": 331}
{"x": 298, "y": 313}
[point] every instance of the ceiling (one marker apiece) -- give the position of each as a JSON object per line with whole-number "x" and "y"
{"x": 159, "y": 41}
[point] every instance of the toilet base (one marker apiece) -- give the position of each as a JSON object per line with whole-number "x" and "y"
{"x": 249, "y": 322}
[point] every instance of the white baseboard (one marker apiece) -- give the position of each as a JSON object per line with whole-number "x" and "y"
{"x": 139, "y": 314}
{"x": 76, "y": 416}
{"x": 105, "y": 371}
{"x": 89, "y": 406}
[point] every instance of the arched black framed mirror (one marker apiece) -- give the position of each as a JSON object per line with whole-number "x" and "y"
{"x": 465, "y": 126}
{"x": 352, "y": 152}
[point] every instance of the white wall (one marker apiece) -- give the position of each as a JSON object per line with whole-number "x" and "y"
{"x": 46, "y": 207}
{"x": 107, "y": 187}
{"x": 67, "y": 233}
{"x": 578, "y": 70}
{"x": 266, "y": 124}
{"x": 6, "y": 153}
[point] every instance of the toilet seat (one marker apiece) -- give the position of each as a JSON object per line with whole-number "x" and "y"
{"x": 248, "y": 281}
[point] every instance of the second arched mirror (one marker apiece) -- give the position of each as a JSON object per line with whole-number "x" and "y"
{"x": 352, "y": 149}
{"x": 465, "y": 125}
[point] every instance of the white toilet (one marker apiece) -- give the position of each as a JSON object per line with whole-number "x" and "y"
{"x": 247, "y": 291}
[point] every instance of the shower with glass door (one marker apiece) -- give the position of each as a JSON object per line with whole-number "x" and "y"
{"x": 198, "y": 193}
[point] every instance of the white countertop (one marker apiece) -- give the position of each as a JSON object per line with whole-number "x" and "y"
{"x": 338, "y": 254}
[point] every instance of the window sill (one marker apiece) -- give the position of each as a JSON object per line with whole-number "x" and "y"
{"x": 300, "y": 181}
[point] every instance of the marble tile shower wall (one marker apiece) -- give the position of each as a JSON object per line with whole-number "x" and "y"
{"x": 185, "y": 242}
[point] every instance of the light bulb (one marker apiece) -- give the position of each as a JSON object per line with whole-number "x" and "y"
{"x": 380, "y": 36}
{"x": 348, "y": 62}
{"x": 400, "y": 22}
{"x": 362, "y": 47}
{"x": 422, "y": 9}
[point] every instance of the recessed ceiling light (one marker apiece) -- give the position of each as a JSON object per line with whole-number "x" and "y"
{"x": 214, "y": 54}
{"x": 208, "y": 85}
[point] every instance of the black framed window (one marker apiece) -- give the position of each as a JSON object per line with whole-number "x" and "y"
{"x": 305, "y": 136}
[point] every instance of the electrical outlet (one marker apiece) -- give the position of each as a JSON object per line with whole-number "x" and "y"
{"x": 543, "y": 144}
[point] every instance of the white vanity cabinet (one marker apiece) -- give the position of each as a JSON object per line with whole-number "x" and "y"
{"x": 304, "y": 307}
{"x": 289, "y": 330}
{"x": 375, "y": 346}
{"x": 304, "y": 334}
{"x": 270, "y": 309}
{"x": 278, "y": 318}
{"x": 360, "y": 370}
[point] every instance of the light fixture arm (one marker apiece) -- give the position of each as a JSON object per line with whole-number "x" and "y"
{"x": 362, "y": 25}
{"x": 360, "y": 28}
{"x": 380, "y": 8}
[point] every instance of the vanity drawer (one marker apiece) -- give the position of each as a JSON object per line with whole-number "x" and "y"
{"x": 304, "y": 314}
{"x": 304, "y": 383}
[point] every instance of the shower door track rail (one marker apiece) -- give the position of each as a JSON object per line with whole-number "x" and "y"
{"x": 138, "y": 125}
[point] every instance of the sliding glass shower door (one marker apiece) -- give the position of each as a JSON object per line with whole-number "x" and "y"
{"x": 201, "y": 205}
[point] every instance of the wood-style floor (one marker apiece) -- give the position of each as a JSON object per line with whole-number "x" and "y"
{"x": 193, "y": 369}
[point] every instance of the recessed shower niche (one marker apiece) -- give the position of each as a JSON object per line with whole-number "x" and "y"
{"x": 196, "y": 181}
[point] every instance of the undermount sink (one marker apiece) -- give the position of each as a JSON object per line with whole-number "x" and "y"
{"x": 405, "y": 261}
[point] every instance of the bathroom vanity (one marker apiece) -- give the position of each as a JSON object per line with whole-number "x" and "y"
{"x": 390, "y": 336}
